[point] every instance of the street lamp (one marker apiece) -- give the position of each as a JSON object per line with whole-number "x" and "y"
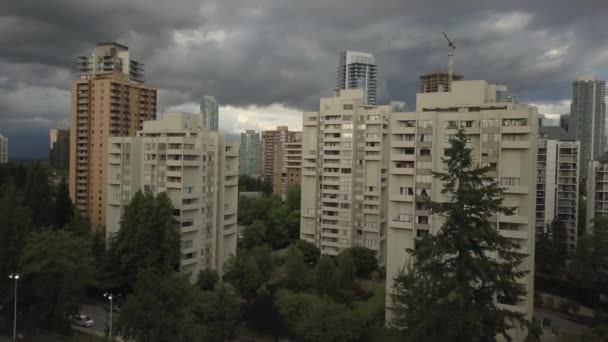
{"x": 110, "y": 297}
{"x": 16, "y": 277}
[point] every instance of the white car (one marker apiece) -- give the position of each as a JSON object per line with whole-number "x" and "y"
{"x": 82, "y": 320}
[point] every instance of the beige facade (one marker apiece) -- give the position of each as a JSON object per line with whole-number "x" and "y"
{"x": 288, "y": 166}
{"x": 557, "y": 183}
{"x": 270, "y": 141}
{"x": 344, "y": 174}
{"x": 502, "y": 135}
{"x": 197, "y": 169}
{"x": 107, "y": 101}
{"x": 597, "y": 189}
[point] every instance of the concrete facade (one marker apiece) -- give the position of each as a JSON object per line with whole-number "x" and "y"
{"x": 108, "y": 100}
{"x": 557, "y": 182}
{"x": 249, "y": 157}
{"x": 597, "y": 189}
{"x": 358, "y": 70}
{"x": 502, "y": 135}
{"x": 59, "y": 148}
{"x": 210, "y": 111}
{"x": 344, "y": 174}
{"x": 588, "y": 119}
{"x": 3, "y": 149}
{"x": 271, "y": 139}
{"x": 197, "y": 168}
{"x": 288, "y": 166}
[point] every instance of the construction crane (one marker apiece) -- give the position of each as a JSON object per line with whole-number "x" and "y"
{"x": 451, "y": 47}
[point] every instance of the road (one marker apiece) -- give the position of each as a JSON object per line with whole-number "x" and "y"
{"x": 99, "y": 314}
{"x": 559, "y": 324}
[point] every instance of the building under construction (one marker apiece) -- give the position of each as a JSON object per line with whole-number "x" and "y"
{"x": 436, "y": 82}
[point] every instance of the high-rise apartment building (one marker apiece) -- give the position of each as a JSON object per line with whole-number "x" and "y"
{"x": 597, "y": 189}
{"x": 59, "y": 148}
{"x": 108, "y": 100}
{"x": 197, "y": 169}
{"x": 288, "y": 166}
{"x": 436, "y": 82}
{"x": 564, "y": 122}
{"x": 503, "y": 136}
{"x": 249, "y": 153}
{"x": 271, "y": 139}
{"x": 3, "y": 149}
{"x": 557, "y": 183}
{"x": 344, "y": 174}
{"x": 358, "y": 70}
{"x": 210, "y": 111}
{"x": 588, "y": 119}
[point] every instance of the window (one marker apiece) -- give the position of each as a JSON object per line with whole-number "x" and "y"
{"x": 422, "y": 219}
{"x": 509, "y": 181}
{"x": 347, "y": 135}
{"x": 489, "y": 152}
{"x": 425, "y": 123}
{"x": 514, "y": 122}
{"x": 490, "y": 123}
{"x": 404, "y": 217}
{"x": 187, "y": 244}
{"x": 424, "y": 152}
{"x": 451, "y": 124}
{"x": 406, "y": 191}
{"x": 347, "y": 144}
{"x": 425, "y": 137}
{"x": 469, "y": 123}
{"x": 187, "y": 223}
{"x": 423, "y": 178}
{"x": 347, "y": 117}
{"x": 423, "y": 165}
{"x": 347, "y": 107}
{"x": 347, "y": 126}
{"x": 407, "y": 123}
{"x": 490, "y": 137}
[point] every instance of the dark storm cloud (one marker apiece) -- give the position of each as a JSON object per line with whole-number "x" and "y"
{"x": 278, "y": 51}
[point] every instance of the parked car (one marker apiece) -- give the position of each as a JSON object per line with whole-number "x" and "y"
{"x": 82, "y": 320}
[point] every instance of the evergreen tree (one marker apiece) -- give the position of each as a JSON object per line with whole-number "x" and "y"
{"x": 220, "y": 313}
{"x": 148, "y": 239}
{"x": 453, "y": 289}
{"x": 64, "y": 209}
{"x": 550, "y": 254}
{"x": 326, "y": 281}
{"x": 39, "y": 197}
{"x": 57, "y": 267}
{"x": 207, "y": 279}
{"x": 296, "y": 271}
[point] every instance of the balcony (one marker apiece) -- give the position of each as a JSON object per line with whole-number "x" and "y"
{"x": 518, "y": 144}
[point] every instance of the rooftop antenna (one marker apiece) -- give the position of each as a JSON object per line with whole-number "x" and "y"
{"x": 451, "y": 47}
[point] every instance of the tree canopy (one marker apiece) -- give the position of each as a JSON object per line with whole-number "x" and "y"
{"x": 453, "y": 289}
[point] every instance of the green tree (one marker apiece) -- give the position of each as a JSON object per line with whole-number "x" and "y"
{"x": 293, "y": 197}
{"x": 148, "y": 238}
{"x": 15, "y": 225}
{"x": 550, "y": 254}
{"x": 63, "y": 205}
{"x": 346, "y": 270}
{"x": 253, "y": 235}
{"x": 310, "y": 252}
{"x": 582, "y": 215}
{"x": 296, "y": 271}
{"x": 162, "y": 308}
{"x": 57, "y": 267}
{"x": 248, "y": 270}
{"x": 328, "y": 321}
{"x": 207, "y": 279}
{"x": 453, "y": 289}
{"x": 590, "y": 263}
{"x": 365, "y": 260}
{"x": 326, "y": 282}
{"x": 38, "y": 196}
{"x": 220, "y": 314}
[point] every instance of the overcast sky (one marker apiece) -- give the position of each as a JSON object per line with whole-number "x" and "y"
{"x": 267, "y": 60}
